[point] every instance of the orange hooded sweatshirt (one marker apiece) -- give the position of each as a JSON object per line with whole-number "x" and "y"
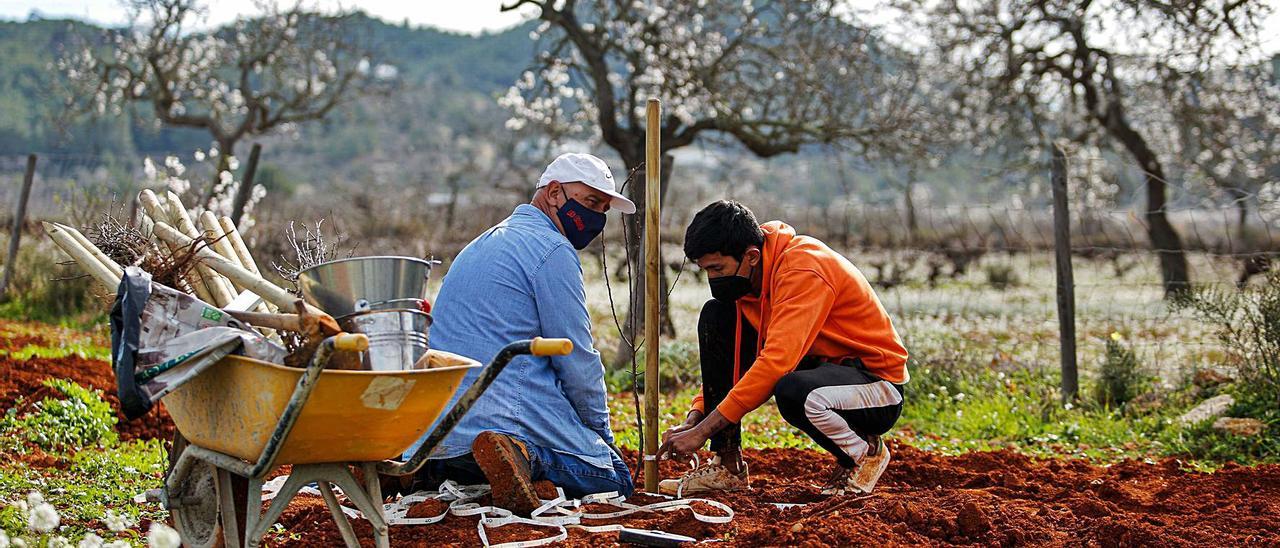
{"x": 813, "y": 302}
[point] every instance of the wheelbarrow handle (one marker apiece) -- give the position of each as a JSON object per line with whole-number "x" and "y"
{"x": 301, "y": 392}
{"x": 536, "y": 347}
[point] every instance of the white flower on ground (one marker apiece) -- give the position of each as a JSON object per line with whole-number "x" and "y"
{"x": 4, "y": 539}
{"x": 1068, "y": 406}
{"x": 117, "y": 544}
{"x": 58, "y": 542}
{"x": 91, "y": 541}
{"x": 42, "y": 518}
{"x": 18, "y": 543}
{"x": 162, "y": 536}
{"x": 34, "y": 499}
{"x": 117, "y": 522}
{"x": 959, "y": 397}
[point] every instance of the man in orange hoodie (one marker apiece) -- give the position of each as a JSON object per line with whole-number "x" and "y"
{"x": 795, "y": 320}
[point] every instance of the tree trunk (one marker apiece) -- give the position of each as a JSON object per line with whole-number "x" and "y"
{"x": 913, "y": 226}
{"x": 634, "y": 324}
{"x": 1164, "y": 237}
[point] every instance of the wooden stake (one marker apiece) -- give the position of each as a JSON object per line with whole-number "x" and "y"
{"x": 653, "y": 273}
{"x": 1066, "y": 279}
{"x": 159, "y": 213}
{"x": 267, "y": 290}
{"x": 19, "y": 217}
{"x": 219, "y": 288}
{"x": 93, "y": 249}
{"x": 82, "y": 256}
{"x": 219, "y": 241}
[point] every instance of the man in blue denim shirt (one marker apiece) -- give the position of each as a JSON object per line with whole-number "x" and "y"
{"x": 543, "y": 418}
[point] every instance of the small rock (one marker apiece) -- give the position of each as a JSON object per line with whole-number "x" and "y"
{"x": 1208, "y": 378}
{"x": 1208, "y": 409}
{"x": 972, "y": 520}
{"x": 797, "y": 527}
{"x": 1239, "y": 427}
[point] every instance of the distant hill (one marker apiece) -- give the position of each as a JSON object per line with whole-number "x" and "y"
{"x": 462, "y": 73}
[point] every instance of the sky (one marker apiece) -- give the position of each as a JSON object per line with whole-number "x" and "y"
{"x": 470, "y": 16}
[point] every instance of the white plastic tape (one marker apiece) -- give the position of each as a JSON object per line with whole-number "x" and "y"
{"x": 558, "y": 514}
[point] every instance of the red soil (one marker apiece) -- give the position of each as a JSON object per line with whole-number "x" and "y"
{"x": 990, "y": 498}
{"x": 23, "y": 377}
{"x": 997, "y": 498}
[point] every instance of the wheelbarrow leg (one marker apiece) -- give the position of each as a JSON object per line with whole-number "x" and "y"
{"x": 367, "y": 498}
{"x": 344, "y": 525}
{"x": 226, "y": 501}
{"x": 258, "y": 524}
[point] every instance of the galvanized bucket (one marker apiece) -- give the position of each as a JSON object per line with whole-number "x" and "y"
{"x": 397, "y": 338}
{"x": 359, "y": 284}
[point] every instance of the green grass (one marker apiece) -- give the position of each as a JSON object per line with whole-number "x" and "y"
{"x": 959, "y": 399}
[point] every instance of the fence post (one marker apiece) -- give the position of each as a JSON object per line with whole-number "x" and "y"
{"x": 19, "y": 218}
{"x": 246, "y": 186}
{"x": 1066, "y": 280}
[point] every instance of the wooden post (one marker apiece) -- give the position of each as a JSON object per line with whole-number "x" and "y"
{"x": 653, "y": 276}
{"x": 1066, "y": 280}
{"x": 246, "y": 185}
{"x": 19, "y": 217}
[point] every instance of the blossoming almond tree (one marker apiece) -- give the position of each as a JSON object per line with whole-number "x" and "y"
{"x": 257, "y": 75}
{"x": 1067, "y": 69}
{"x": 771, "y": 76}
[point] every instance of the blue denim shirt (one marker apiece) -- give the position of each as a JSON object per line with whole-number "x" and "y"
{"x": 519, "y": 280}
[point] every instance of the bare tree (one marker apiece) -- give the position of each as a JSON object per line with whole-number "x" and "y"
{"x": 1223, "y": 125}
{"x": 1064, "y": 69}
{"x": 771, "y": 75}
{"x": 257, "y": 75}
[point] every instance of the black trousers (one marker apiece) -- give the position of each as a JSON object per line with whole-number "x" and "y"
{"x": 839, "y": 405}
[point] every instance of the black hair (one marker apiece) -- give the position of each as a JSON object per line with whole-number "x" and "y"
{"x": 725, "y": 227}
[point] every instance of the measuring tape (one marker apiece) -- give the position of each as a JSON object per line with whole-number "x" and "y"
{"x": 558, "y": 514}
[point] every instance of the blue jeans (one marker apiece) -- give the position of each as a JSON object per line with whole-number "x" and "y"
{"x": 577, "y": 477}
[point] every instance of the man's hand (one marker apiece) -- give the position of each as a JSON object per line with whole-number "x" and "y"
{"x": 689, "y": 437}
{"x": 681, "y": 441}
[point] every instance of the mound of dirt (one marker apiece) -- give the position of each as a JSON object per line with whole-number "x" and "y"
{"x": 995, "y": 498}
{"x": 23, "y": 377}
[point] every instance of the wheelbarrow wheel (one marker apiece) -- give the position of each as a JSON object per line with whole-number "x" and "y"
{"x": 197, "y": 513}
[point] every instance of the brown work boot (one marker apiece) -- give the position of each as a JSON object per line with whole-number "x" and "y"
{"x": 868, "y": 472}
{"x": 506, "y": 465}
{"x": 712, "y": 476}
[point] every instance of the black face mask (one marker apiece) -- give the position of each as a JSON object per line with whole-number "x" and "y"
{"x": 730, "y": 288}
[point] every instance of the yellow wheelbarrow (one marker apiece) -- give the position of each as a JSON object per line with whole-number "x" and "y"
{"x": 243, "y": 418}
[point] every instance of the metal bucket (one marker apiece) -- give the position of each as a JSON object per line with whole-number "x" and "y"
{"x": 359, "y": 284}
{"x": 397, "y": 338}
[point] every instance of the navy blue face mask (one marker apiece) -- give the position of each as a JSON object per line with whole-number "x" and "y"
{"x": 581, "y": 224}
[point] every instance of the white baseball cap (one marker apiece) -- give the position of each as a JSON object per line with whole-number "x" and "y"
{"x": 576, "y": 167}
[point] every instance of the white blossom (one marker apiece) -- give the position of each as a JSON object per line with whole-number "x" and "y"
{"x": 42, "y": 518}
{"x": 162, "y": 536}
{"x": 90, "y": 541}
{"x": 117, "y": 522}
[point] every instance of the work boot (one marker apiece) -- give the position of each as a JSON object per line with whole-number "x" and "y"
{"x": 712, "y": 476}
{"x": 868, "y": 472}
{"x": 505, "y": 463}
